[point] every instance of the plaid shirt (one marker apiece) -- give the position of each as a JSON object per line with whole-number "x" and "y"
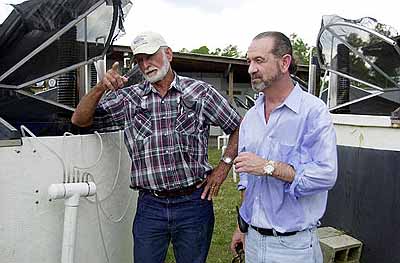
{"x": 167, "y": 137}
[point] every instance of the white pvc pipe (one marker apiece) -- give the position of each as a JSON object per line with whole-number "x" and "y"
{"x": 71, "y": 192}
{"x": 61, "y": 191}
{"x": 70, "y": 223}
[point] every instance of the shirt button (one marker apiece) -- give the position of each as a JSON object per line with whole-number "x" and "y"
{"x": 166, "y": 151}
{"x": 162, "y": 102}
{"x": 169, "y": 169}
{"x": 164, "y": 117}
{"x": 165, "y": 134}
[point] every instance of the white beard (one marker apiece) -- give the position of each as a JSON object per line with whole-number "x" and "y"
{"x": 161, "y": 72}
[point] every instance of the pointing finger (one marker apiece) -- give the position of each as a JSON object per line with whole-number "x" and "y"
{"x": 115, "y": 66}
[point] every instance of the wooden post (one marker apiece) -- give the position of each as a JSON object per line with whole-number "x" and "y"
{"x": 230, "y": 86}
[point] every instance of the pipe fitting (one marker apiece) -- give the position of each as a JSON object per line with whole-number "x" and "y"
{"x": 65, "y": 191}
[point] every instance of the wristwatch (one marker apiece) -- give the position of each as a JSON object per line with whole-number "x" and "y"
{"x": 226, "y": 159}
{"x": 269, "y": 168}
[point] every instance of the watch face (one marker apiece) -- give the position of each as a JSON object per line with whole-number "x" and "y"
{"x": 227, "y": 160}
{"x": 269, "y": 169}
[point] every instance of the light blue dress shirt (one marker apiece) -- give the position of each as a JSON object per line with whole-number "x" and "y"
{"x": 299, "y": 132}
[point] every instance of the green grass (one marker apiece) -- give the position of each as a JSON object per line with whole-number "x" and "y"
{"x": 225, "y": 218}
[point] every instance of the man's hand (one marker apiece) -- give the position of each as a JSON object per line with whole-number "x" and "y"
{"x": 214, "y": 181}
{"x": 112, "y": 79}
{"x": 84, "y": 112}
{"x": 250, "y": 163}
{"x": 237, "y": 238}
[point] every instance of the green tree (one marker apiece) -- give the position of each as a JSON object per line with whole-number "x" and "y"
{"x": 231, "y": 51}
{"x": 301, "y": 50}
{"x": 216, "y": 52}
{"x": 228, "y": 51}
{"x": 201, "y": 50}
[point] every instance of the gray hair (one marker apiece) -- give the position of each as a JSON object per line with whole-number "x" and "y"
{"x": 282, "y": 46}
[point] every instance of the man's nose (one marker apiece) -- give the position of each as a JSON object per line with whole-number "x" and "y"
{"x": 145, "y": 63}
{"x": 252, "y": 69}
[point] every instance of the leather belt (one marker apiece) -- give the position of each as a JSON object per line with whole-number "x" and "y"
{"x": 171, "y": 193}
{"x": 272, "y": 232}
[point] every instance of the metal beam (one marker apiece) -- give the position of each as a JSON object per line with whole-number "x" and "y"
{"x": 352, "y": 78}
{"x": 50, "y": 75}
{"x": 377, "y": 93}
{"x": 44, "y": 100}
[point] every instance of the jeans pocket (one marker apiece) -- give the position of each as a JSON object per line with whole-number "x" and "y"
{"x": 300, "y": 241}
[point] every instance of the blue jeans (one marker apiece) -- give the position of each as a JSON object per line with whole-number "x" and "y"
{"x": 302, "y": 247}
{"x": 185, "y": 221}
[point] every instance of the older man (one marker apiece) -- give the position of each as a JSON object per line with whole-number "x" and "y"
{"x": 166, "y": 123}
{"x": 287, "y": 160}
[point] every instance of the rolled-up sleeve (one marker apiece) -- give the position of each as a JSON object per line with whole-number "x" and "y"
{"x": 316, "y": 170}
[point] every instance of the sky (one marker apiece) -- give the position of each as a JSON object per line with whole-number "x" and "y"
{"x": 218, "y": 23}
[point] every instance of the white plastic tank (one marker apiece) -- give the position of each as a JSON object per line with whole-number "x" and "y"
{"x": 31, "y": 225}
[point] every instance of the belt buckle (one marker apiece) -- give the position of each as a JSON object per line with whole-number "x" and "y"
{"x": 155, "y": 193}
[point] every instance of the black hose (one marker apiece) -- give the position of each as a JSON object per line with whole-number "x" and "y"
{"x": 116, "y": 4}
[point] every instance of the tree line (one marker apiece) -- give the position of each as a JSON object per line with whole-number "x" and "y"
{"x": 301, "y": 50}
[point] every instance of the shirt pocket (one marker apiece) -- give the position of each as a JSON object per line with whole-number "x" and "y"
{"x": 286, "y": 153}
{"x": 186, "y": 122}
{"x": 141, "y": 125}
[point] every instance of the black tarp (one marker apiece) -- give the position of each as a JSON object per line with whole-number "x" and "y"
{"x": 365, "y": 202}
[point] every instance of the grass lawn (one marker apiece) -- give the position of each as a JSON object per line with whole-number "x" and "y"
{"x": 225, "y": 218}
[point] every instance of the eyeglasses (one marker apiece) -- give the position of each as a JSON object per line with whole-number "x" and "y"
{"x": 239, "y": 258}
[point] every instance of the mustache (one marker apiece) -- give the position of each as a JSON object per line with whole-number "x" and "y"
{"x": 147, "y": 71}
{"x": 253, "y": 77}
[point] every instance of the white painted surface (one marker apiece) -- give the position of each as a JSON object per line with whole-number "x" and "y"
{"x": 362, "y": 120}
{"x": 374, "y": 132}
{"x": 31, "y": 226}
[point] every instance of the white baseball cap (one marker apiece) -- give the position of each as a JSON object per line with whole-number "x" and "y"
{"x": 147, "y": 43}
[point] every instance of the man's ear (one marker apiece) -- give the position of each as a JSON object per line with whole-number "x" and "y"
{"x": 169, "y": 54}
{"x": 285, "y": 62}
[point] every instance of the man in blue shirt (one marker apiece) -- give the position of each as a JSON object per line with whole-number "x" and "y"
{"x": 287, "y": 161}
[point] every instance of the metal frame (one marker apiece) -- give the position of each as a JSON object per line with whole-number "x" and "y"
{"x": 44, "y": 77}
{"x": 25, "y": 93}
{"x": 47, "y": 43}
{"x": 377, "y": 93}
{"x": 354, "y": 79}
{"x": 372, "y": 64}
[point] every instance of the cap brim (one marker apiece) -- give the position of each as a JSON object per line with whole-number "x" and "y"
{"x": 148, "y": 49}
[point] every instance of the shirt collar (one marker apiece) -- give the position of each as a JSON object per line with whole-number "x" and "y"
{"x": 176, "y": 83}
{"x": 147, "y": 87}
{"x": 292, "y": 101}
